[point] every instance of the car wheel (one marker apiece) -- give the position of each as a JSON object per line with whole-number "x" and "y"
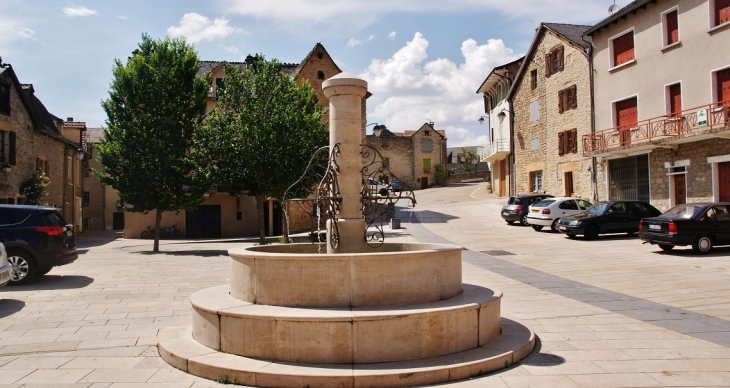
{"x": 384, "y": 192}
{"x": 666, "y": 247}
{"x": 510, "y": 222}
{"x": 570, "y": 235}
{"x": 24, "y": 266}
{"x": 631, "y": 233}
{"x": 702, "y": 245}
{"x": 43, "y": 272}
{"x": 591, "y": 232}
{"x": 537, "y": 227}
{"x": 523, "y": 220}
{"x": 554, "y": 225}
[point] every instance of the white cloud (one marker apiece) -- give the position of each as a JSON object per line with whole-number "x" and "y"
{"x": 391, "y": 36}
{"x": 353, "y": 42}
{"x": 231, "y": 49}
{"x": 408, "y": 88}
{"x": 13, "y": 30}
{"x": 122, "y": 17}
{"x": 25, "y": 33}
{"x": 370, "y": 38}
{"x": 79, "y": 11}
{"x": 195, "y": 27}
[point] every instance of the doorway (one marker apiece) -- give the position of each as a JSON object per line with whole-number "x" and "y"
{"x": 568, "y": 179}
{"x": 502, "y": 177}
{"x": 627, "y": 116}
{"x": 424, "y": 182}
{"x": 205, "y": 222}
{"x": 680, "y": 189}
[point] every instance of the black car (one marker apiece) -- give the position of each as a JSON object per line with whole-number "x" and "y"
{"x": 607, "y": 217}
{"x": 516, "y": 207}
{"x": 36, "y": 239}
{"x": 701, "y": 225}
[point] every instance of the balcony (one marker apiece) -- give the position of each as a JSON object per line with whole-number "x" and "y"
{"x": 497, "y": 150}
{"x": 700, "y": 123}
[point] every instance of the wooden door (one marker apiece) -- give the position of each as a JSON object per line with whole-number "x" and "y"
{"x": 627, "y": 116}
{"x": 724, "y": 181}
{"x": 723, "y": 86}
{"x": 568, "y": 184}
{"x": 722, "y": 11}
{"x": 675, "y": 100}
{"x": 680, "y": 189}
{"x": 502, "y": 177}
{"x": 424, "y": 182}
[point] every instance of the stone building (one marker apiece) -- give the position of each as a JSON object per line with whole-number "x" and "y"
{"x": 412, "y": 156}
{"x": 223, "y": 215}
{"x": 32, "y": 140}
{"x": 662, "y": 102}
{"x": 496, "y": 106}
{"x": 551, "y": 101}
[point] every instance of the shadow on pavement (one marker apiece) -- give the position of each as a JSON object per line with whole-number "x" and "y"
{"x": 9, "y": 307}
{"x": 541, "y": 359}
{"x": 431, "y": 217}
{"x": 196, "y": 252}
{"x": 52, "y": 282}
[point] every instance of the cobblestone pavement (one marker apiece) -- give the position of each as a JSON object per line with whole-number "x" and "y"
{"x": 608, "y": 313}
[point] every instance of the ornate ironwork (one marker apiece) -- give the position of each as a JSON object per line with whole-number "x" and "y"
{"x": 317, "y": 195}
{"x": 381, "y": 190}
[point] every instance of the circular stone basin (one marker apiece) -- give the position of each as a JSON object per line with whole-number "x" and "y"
{"x": 296, "y": 275}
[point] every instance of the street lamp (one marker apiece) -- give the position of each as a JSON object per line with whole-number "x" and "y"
{"x": 502, "y": 114}
{"x": 376, "y": 129}
{"x": 481, "y": 119}
{"x": 80, "y": 154}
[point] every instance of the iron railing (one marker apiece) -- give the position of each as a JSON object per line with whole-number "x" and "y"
{"x": 689, "y": 122}
{"x": 498, "y": 146}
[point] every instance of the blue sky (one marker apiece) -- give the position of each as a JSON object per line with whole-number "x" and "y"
{"x": 423, "y": 60}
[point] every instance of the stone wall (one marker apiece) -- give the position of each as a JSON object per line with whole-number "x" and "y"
{"x": 468, "y": 176}
{"x": 425, "y": 178}
{"x": 399, "y": 151}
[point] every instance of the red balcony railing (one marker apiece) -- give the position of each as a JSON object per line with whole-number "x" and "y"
{"x": 684, "y": 124}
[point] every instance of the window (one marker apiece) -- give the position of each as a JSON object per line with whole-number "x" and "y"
{"x": 7, "y": 147}
{"x": 567, "y": 99}
{"x": 536, "y": 181}
{"x": 426, "y": 164}
{"x": 3, "y": 142}
{"x": 4, "y": 98}
{"x": 674, "y": 100}
{"x": 535, "y": 147}
{"x": 533, "y": 79}
{"x": 533, "y": 111}
{"x": 384, "y": 141}
{"x": 670, "y": 23}
{"x": 320, "y": 74}
{"x": 87, "y": 198}
{"x": 554, "y": 61}
{"x": 720, "y": 11}
{"x": 220, "y": 86}
{"x": 622, "y": 49}
{"x": 319, "y": 55}
{"x": 569, "y": 204}
{"x": 568, "y": 142}
{"x": 42, "y": 166}
{"x": 426, "y": 133}
{"x": 722, "y": 87}
{"x": 386, "y": 162}
{"x": 427, "y": 145}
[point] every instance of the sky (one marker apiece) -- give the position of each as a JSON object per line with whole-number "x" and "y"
{"x": 423, "y": 60}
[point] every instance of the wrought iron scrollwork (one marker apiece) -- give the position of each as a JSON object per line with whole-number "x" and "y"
{"x": 317, "y": 195}
{"x": 381, "y": 190}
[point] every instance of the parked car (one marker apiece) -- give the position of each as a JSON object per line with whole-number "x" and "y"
{"x": 701, "y": 225}
{"x": 548, "y": 211}
{"x": 36, "y": 239}
{"x": 607, "y": 217}
{"x": 6, "y": 269}
{"x": 396, "y": 185}
{"x": 376, "y": 187}
{"x": 516, "y": 207}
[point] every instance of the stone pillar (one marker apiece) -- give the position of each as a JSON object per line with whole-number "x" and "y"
{"x": 345, "y": 92}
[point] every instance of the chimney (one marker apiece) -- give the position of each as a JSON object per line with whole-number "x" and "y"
{"x": 70, "y": 119}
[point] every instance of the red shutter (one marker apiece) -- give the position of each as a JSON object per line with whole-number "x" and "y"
{"x": 627, "y": 118}
{"x": 722, "y": 11}
{"x": 11, "y": 148}
{"x": 561, "y": 142}
{"x": 38, "y": 164}
{"x": 547, "y": 65}
{"x": 48, "y": 169}
{"x": 574, "y": 135}
{"x": 672, "y": 27}
{"x": 560, "y": 101}
{"x": 561, "y": 62}
{"x": 723, "y": 86}
{"x": 675, "y": 100}
{"x": 623, "y": 49}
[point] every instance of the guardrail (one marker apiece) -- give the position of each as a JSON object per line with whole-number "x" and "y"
{"x": 501, "y": 145}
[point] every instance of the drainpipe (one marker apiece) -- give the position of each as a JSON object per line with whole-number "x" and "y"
{"x": 594, "y": 173}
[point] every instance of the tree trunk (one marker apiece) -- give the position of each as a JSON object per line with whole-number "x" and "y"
{"x": 285, "y": 229}
{"x": 261, "y": 203}
{"x": 158, "y": 219}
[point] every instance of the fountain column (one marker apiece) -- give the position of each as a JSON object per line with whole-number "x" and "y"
{"x": 345, "y": 92}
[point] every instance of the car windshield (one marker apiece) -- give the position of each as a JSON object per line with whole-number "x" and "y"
{"x": 598, "y": 209}
{"x": 543, "y": 203}
{"x": 682, "y": 211}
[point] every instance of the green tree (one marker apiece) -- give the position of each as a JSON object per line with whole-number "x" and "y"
{"x": 468, "y": 156}
{"x": 262, "y": 133}
{"x": 156, "y": 103}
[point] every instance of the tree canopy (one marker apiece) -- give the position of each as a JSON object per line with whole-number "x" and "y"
{"x": 156, "y": 104}
{"x": 262, "y": 132}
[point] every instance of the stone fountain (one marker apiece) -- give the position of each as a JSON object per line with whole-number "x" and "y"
{"x": 357, "y": 315}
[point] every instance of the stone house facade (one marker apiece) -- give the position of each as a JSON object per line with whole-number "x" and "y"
{"x": 412, "y": 156}
{"x": 31, "y": 140}
{"x": 551, "y": 99}
{"x": 666, "y": 139}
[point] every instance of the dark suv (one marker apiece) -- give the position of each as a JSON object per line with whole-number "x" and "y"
{"x": 516, "y": 207}
{"x": 36, "y": 239}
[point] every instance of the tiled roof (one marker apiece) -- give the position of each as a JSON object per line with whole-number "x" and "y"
{"x": 94, "y": 134}
{"x": 207, "y": 67}
{"x": 45, "y": 122}
{"x": 316, "y": 46}
{"x": 74, "y": 124}
{"x": 629, "y": 8}
{"x": 572, "y": 32}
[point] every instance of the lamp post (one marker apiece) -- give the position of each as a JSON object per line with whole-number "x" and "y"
{"x": 376, "y": 129}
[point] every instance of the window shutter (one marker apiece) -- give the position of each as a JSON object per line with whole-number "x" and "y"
{"x": 547, "y": 65}
{"x": 48, "y": 169}
{"x": 672, "y": 27}
{"x": 722, "y": 9}
{"x": 574, "y": 100}
{"x": 11, "y": 148}
{"x": 561, "y": 62}
{"x": 561, "y": 140}
{"x": 38, "y": 164}
{"x": 574, "y": 133}
{"x": 560, "y": 101}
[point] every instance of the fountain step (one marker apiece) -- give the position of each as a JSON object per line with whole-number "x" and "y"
{"x": 178, "y": 348}
{"x": 346, "y": 335}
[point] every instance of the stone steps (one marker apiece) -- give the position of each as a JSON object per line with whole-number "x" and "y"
{"x": 178, "y": 348}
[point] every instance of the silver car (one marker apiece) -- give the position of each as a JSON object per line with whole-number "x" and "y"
{"x": 547, "y": 212}
{"x": 6, "y": 268}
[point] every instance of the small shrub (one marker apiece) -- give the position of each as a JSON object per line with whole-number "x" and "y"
{"x": 35, "y": 188}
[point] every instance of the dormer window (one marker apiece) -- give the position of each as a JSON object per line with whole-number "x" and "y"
{"x": 320, "y": 74}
